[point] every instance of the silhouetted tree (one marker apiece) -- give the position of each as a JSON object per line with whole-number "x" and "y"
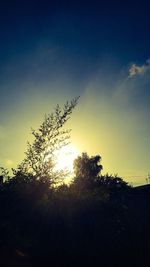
{"x": 115, "y": 186}
{"x": 50, "y": 137}
{"x": 87, "y": 169}
{"x": 113, "y": 182}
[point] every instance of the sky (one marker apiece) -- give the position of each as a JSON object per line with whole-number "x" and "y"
{"x": 52, "y": 51}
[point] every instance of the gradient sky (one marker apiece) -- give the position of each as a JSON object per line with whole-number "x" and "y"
{"x": 100, "y": 50}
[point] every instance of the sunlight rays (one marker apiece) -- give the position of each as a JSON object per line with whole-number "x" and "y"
{"x": 65, "y": 158}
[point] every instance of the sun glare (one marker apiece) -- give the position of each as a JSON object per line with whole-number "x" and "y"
{"x": 65, "y": 158}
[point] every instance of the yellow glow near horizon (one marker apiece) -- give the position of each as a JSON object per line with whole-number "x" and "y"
{"x": 65, "y": 158}
{"x": 92, "y": 132}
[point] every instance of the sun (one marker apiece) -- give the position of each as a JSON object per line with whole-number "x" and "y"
{"x": 65, "y": 158}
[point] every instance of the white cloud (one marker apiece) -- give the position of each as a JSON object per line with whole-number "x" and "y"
{"x": 139, "y": 69}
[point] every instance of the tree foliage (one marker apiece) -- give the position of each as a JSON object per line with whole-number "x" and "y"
{"x": 88, "y": 178}
{"x": 50, "y": 137}
{"x": 113, "y": 182}
{"x": 4, "y": 175}
{"x": 87, "y": 169}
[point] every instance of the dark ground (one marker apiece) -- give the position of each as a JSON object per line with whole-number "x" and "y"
{"x": 69, "y": 229}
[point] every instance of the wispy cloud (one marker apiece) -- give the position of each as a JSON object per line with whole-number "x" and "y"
{"x": 135, "y": 69}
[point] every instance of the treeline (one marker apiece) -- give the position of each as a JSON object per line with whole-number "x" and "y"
{"x": 97, "y": 220}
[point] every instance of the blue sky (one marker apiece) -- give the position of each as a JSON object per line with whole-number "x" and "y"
{"x": 51, "y": 52}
